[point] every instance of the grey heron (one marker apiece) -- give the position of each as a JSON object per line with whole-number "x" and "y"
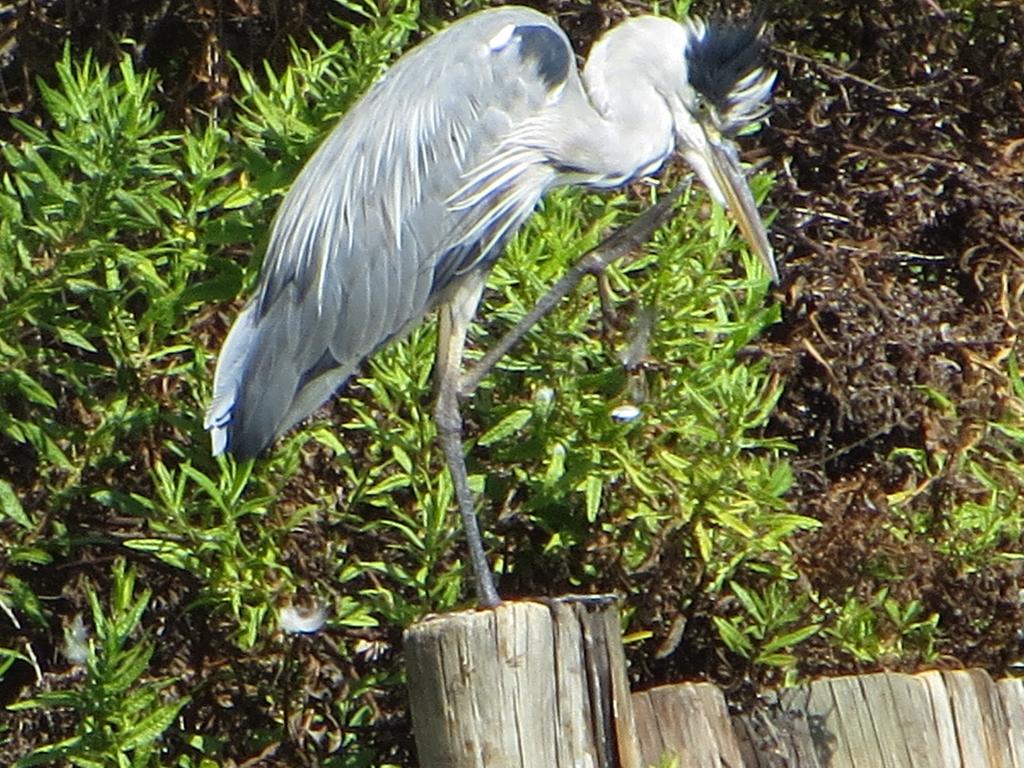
{"x": 408, "y": 201}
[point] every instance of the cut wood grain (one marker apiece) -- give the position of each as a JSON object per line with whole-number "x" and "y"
{"x": 948, "y": 753}
{"x": 779, "y": 732}
{"x": 1011, "y": 692}
{"x": 687, "y": 722}
{"x": 953, "y": 719}
{"x": 524, "y": 684}
{"x": 981, "y": 725}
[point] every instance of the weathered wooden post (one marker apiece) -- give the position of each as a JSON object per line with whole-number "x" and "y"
{"x": 543, "y": 685}
{"x": 525, "y": 684}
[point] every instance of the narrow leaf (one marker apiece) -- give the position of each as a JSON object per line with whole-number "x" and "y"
{"x": 511, "y": 423}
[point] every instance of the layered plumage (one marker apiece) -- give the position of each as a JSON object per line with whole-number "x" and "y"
{"x": 413, "y": 194}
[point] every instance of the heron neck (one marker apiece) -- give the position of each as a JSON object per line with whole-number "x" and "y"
{"x": 630, "y": 135}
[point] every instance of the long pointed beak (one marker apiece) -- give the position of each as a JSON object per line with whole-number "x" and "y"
{"x": 719, "y": 169}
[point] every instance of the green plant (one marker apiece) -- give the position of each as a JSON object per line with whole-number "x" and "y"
{"x": 985, "y": 526}
{"x": 116, "y": 240}
{"x": 772, "y": 621}
{"x": 688, "y": 460}
{"x": 883, "y": 629}
{"x": 121, "y": 712}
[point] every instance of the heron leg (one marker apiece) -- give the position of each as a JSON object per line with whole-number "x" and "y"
{"x": 454, "y": 318}
{"x": 453, "y": 323}
{"x": 609, "y": 316}
{"x": 593, "y": 262}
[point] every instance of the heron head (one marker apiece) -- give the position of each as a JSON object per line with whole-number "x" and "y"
{"x": 725, "y": 90}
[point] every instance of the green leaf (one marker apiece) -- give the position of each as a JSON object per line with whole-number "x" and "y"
{"x": 736, "y": 641}
{"x": 10, "y": 506}
{"x": 133, "y": 662}
{"x": 402, "y": 458}
{"x": 225, "y": 285}
{"x": 791, "y": 638}
{"x": 750, "y": 601}
{"x": 509, "y": 424}
{"x": 74, "y": 338}
{"x": 29, "y": 556}
{"x": 776, "y": 659}
{"x": 170, "y": 552}
{"x": 31, "y": 389}
{"x": 592, "y": 491}
{"x": 151, "y": 727}
{"x": 49, "y": 754}
{"x": 389, "y": 484}
{"x": 556, "y": 465}
{"x": 730, "y": 520}
{"x": 241, "y": 197}
{"x": 329, "y": 438}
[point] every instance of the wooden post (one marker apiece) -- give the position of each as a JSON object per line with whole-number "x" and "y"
{"x": 688, "y": 723}
{"x": 544, "y": 684}
{"x": 952, "y": 719}
{"x": 524, "y": 684}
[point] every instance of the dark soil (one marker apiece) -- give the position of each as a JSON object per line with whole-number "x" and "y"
{"x": 900, "y": 198}
{"x": 899, "y": 158}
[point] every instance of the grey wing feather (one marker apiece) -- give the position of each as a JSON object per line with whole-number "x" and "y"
{"x": 419, "y": 184}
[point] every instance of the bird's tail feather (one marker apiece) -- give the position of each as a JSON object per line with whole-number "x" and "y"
{"x": 260, "y": 388}
{"x": 229, "y": 384}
